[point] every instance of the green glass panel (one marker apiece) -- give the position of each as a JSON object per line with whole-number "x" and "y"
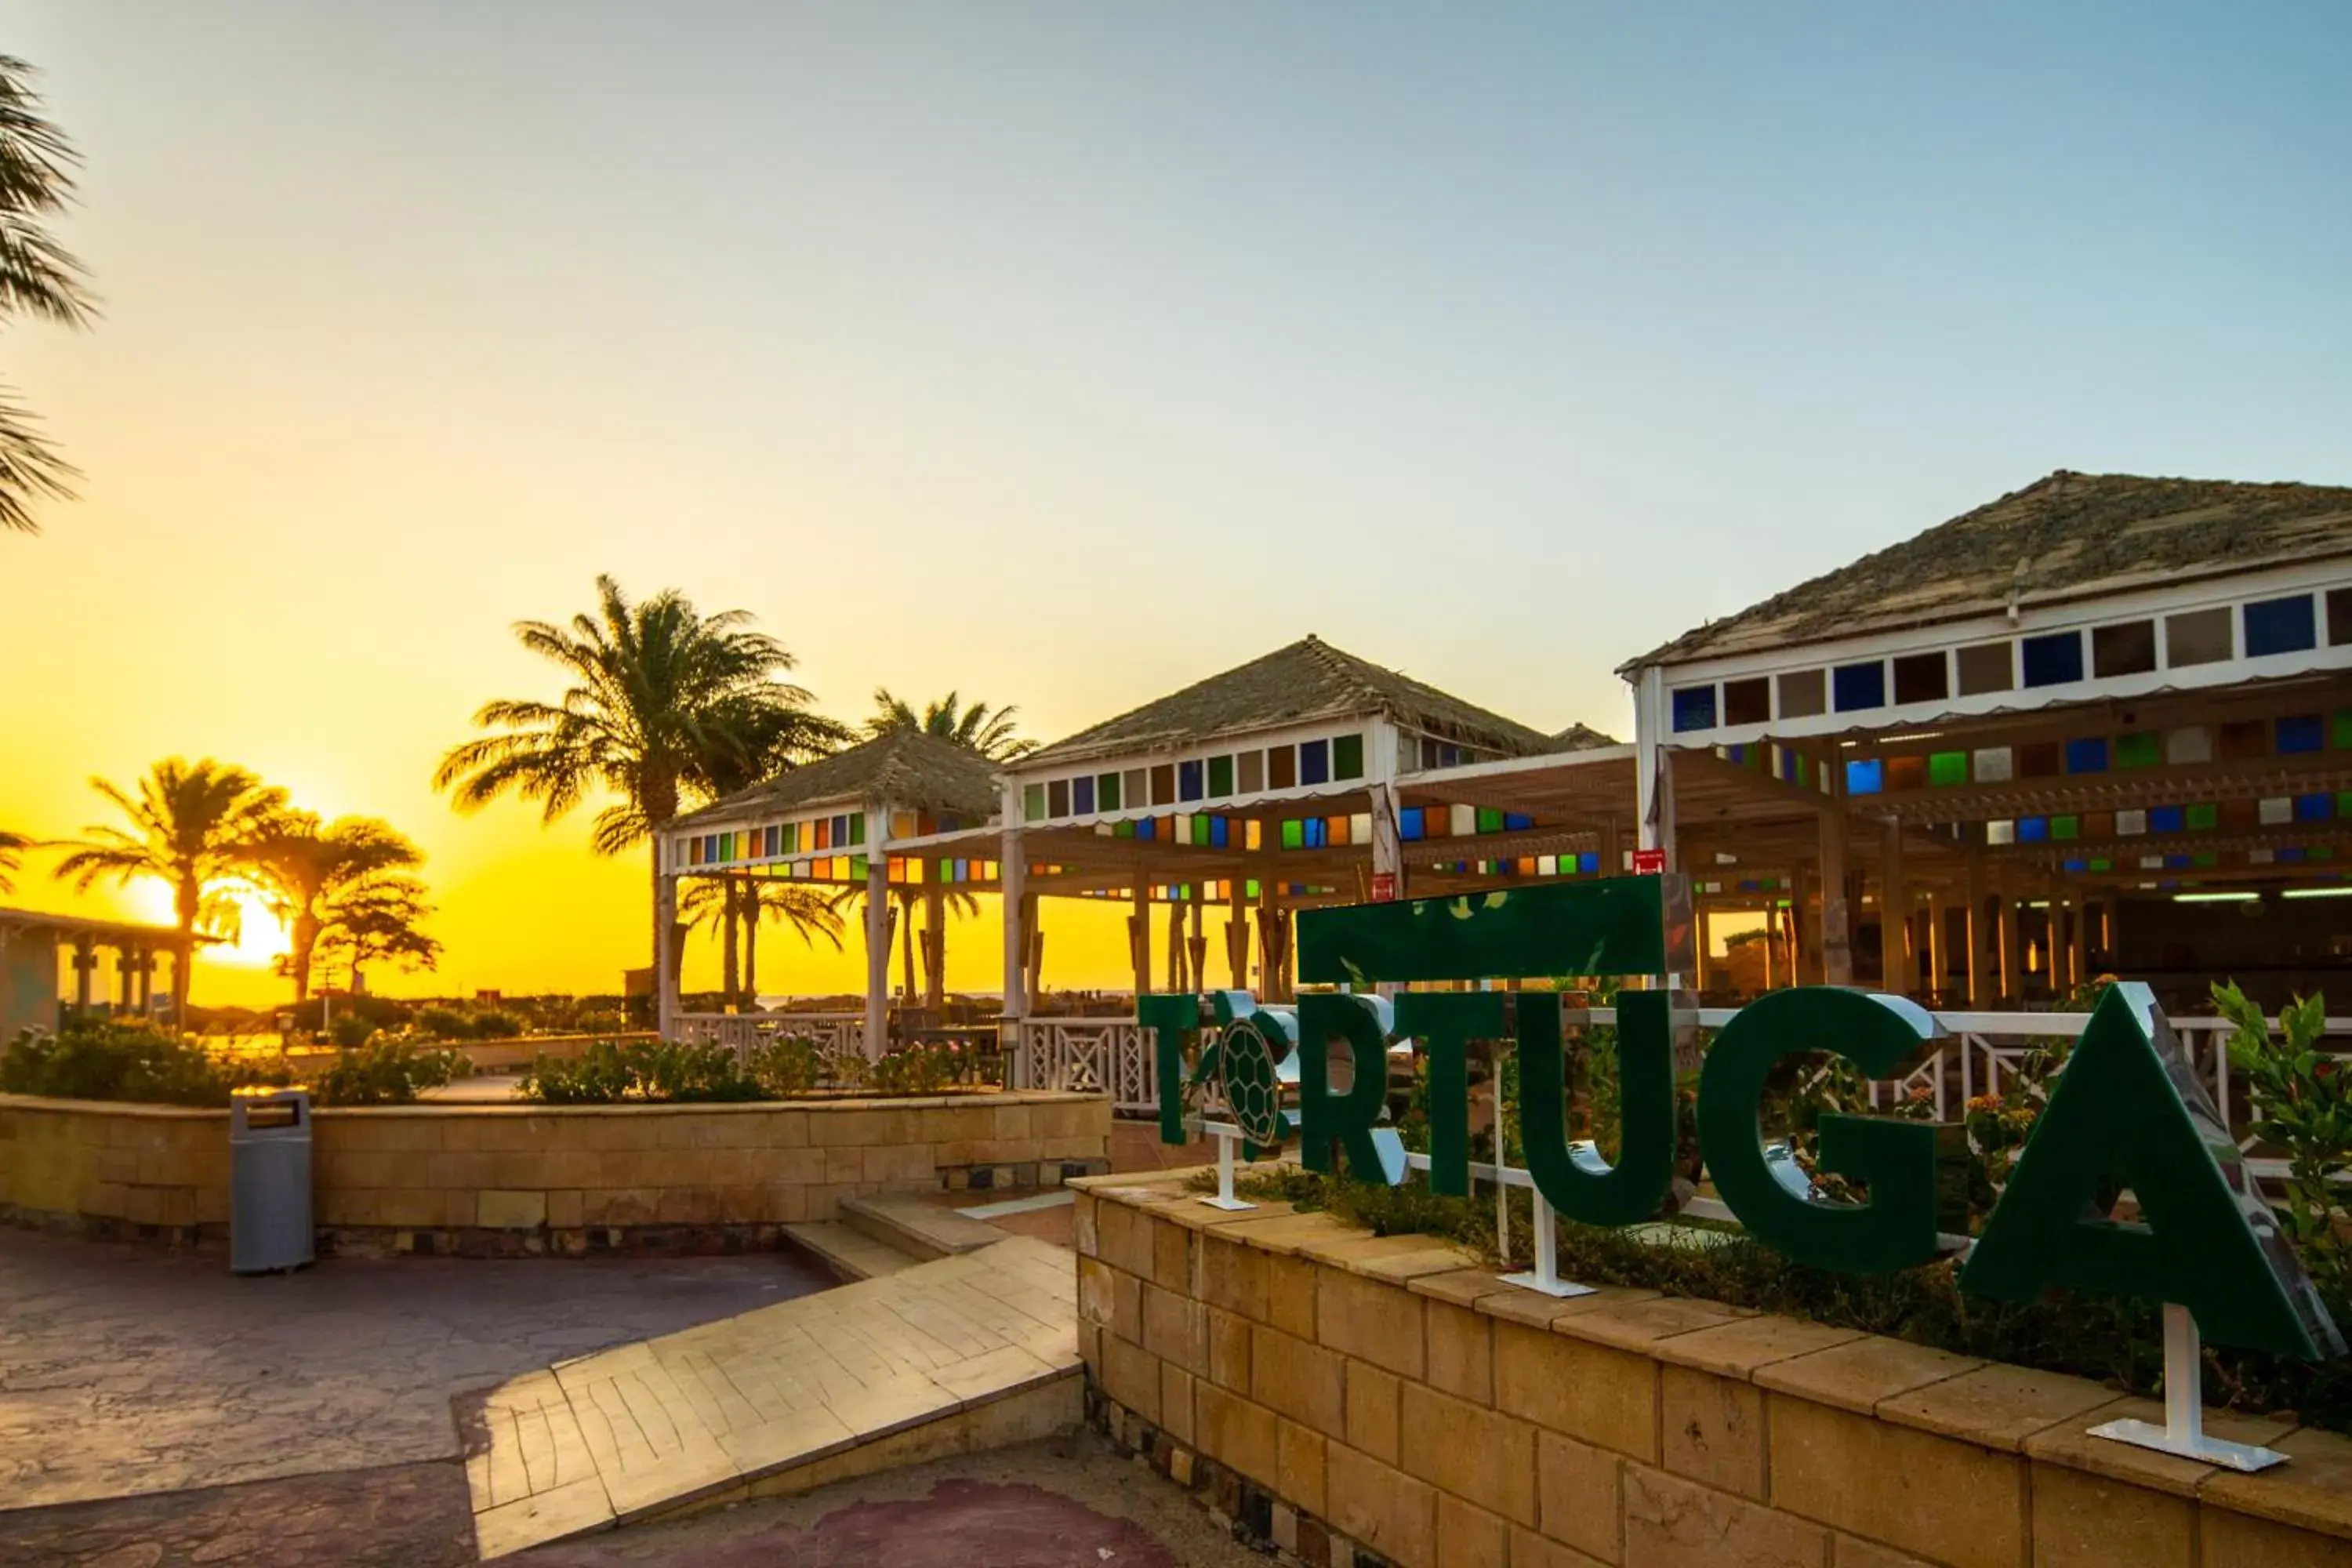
{"x": 2130, "y": 1111}
{"x": 2208, "y": 858}
{"x": 1033, "y": 802}
{"x": 2145, "y": 750}
{"x": 1348, "y": 756}
{"x": 2344, "y": 805}
{"x": 1200, "y": 830}
{"x": 1330, "y": 1124}
{"x": 1172, "y": 1020}
{"x": 1583, "y": 1187}
{"x": 1804, "y": 769}
{"x": 1122, "y": 830}
{"x": 1947, "y": 768}
{"x": 2206, "y": 816}
{"x": 858, "y": 867}
{"x": 1294, "y": 834}
{"x": 1449, "y": 1021}
{"x": 2342, "y": 729}
{"x": 2320, "y": 852}
{"x": 1617, "y": 926}
{"x": 2103, "y": 865}
{"x": 1904, "y": 1164}
{"x": 2066, "y": 828}
{"x": 1249, "y": 889}
{"x": 1107, "y": 792}
{"x": 1220, "y": 777}
{"x": 1489, "y": 820}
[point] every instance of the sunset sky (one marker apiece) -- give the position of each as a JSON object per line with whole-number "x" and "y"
{"x": 1063, "y": 354}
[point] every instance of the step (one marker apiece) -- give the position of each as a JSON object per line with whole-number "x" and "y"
{"x": 910, "y": 1225}
{"x": 851, "y": 1254}
{"x": 954, "y": 1356}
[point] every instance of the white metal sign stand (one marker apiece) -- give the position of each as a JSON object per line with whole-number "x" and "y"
{"x": 2183, "y": 1431}
{"x": 1226, "y": 1138}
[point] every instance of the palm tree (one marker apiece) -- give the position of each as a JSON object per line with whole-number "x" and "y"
{"x": 12, "y": 849}
{"x": 37, "y": 277}
{"x": 193, "y": 826}
{"x": 657, "y": 689}
{"x": 312, "y": 874}
{"x": 979, "y": 727}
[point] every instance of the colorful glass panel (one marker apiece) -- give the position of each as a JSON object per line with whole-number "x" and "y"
{"x": 1409, "y": 823}
{"x": 1864, "y": 775}
{"x": 2299, "y": 734}
{"x": 1313, "y": 761}
{"x": 1857, "y": 687}
{"x": 1347, "y": 757}
{"x": 1220, "y": 777}
{"x": 2054, "y": 658}
{"x": 1081, "y": 796}
{"x": 1190, "y": 780}
{"x": 2087, "y": 755}
{"x": 2144, "y": 750}
{"x": 1694, "y": 708}
{"x": 2281, "y": 626}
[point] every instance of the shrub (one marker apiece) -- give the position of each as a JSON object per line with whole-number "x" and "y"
{"x": 107, "y": 1060}
{"x": 349, "y": 1029}
{"x": 600, "y": 1074}
{"x": 444, "y": 1024}
{"x": 2303, "y": 1108}
{"x": 388, "y": 1071}
{"x": 788, "y": 1066}
{"x": 496, "y": 1024}
{"x": 918, "y": 1067}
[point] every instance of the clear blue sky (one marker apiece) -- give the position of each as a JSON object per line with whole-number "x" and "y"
{"x": 1067, "y": 353}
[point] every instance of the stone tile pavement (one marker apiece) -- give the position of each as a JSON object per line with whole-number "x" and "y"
{"x": 126, "y": 1370}
{"x": 633, "y": 1431}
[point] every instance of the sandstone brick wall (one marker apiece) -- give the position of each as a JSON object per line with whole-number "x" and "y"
{"x": 518, "y": 1178}
{"x": 1383, "y": 1397}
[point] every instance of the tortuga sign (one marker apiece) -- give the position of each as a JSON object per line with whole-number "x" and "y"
{"x": 2127, "y": 1111}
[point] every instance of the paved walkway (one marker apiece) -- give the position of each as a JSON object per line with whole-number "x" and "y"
{"x": 126, "y": 1369}
{"x": 630, "y": 1432}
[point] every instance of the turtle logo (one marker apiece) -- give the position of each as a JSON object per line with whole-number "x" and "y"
{"x": 1249, "y": 1071}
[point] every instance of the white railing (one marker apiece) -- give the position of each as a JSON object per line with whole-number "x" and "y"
{"x": 1089, "y": 1055}
{"x": 838, "y": 1037}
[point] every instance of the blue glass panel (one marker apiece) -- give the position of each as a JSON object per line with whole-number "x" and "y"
{"x": 2168, "y": 819}
{"x": 1853, "y": 686}
{"x": 2292, "y": 854}
{"x": 2300, "y": 734}
{"x": 1319, "y": 832}
{"x": 2314, "y": 807}
{"x": 1147, "y": 827}
{"x": 1191, "y": 782}
{"x": 1513, "y": 822}
{"x": 2053, "y": 659}
{"x": 2089, "y": 756}
{"x": 1081, "y": 796}
{"x": 1694, "y": 708}
{"x": 2032, "y": 830}
{"x": 1588, "y": 862}
{"x": 1865, "y": 777}
{"x": 2281, "y": 626}
{"x": 2178, "y": 862}
{"x": 2078, "y": 865}
{"x": 1409, "y": 823}
{"x": 1313, "y": 761}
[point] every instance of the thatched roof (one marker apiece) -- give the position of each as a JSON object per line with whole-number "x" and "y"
{"x": 1308, "y": 681}
{"x": 906, "y": 768}
{"x": 2070, "y": 536}
{"x": 1581, "y": 738}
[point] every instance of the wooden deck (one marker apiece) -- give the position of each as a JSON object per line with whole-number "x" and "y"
{"x": 961, "y": 1352}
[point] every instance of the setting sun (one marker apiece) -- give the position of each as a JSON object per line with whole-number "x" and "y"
{"x": 260, "y": 939}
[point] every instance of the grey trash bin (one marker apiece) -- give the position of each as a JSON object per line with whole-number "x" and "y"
{"x": 270, "y": 1180}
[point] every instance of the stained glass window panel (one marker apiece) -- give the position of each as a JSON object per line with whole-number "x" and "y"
{"x": 1163, "y": 784}
{"x": 1347, "y": 757}
{"x": 1057, "y": 798}
{"x": 1282, "y": 767}
{"x": 2281, "y": 626}
{"x": 1313, "y": 761}
{"x": 1220, "y": 777}
{"x": 2054, "y": 658}
{"x": 1082, "y": 797}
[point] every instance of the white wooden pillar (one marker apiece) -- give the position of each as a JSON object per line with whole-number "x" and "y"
{"x": 877, "y": 930}
{"x": 1139, "y": 930}
{"x": 1974, "y": 931}
{"x": 1237, "y": 932}
{"x": 2013, "y": 938}
{"x": 1895, "y": 968}
{"x": 1013, "y": 883}
{"x": 1837, "y": 927}
{"x": 1652, "y": 791}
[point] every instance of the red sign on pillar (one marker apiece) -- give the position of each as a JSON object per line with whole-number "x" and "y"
{"x": 1649, "y": 862}
{"x": 1384, "y": 889}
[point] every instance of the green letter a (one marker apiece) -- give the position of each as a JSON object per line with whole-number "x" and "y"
{"x": 2130, "y": 1110}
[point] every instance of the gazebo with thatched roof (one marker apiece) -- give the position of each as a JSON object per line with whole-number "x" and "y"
{"x": 903, "y": 809}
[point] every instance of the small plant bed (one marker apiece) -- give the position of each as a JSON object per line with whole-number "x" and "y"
{"x": 138, "y": 1063}
{"x": 646, "y": 1072}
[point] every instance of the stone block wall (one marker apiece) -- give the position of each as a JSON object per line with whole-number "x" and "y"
{"x": 512, "y": 1179}
{"x": 1359, "y": 1400}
